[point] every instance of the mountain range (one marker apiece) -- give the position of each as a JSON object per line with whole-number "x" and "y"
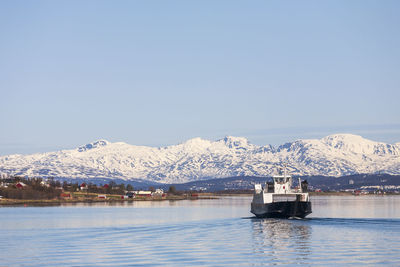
{"x": 199, "y": 159}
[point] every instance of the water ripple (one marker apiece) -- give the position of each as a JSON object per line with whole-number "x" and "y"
{"x": 219, "y": 240}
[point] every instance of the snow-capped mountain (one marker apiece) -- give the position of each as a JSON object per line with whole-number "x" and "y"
{"x": 334, "y": 155}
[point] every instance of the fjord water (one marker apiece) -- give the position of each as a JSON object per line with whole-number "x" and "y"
{"x": 342, "y": 230}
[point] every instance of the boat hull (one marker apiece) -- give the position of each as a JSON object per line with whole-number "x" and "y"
{"x": 285, "y": 209}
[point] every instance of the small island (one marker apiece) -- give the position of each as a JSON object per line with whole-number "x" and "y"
{"x": 18, "y": 190}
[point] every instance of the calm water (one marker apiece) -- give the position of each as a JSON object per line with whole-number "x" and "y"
{"x": 342, "y": 230}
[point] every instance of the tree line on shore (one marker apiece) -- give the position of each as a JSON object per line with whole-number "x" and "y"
{"x": 17, "y": 187}
{"x": 21, "y": 188}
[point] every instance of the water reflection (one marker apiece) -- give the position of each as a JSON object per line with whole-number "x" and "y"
{"x": 201, "y": 233}
{"x": 281, "y": 240}
{"x": 355, "y": 206}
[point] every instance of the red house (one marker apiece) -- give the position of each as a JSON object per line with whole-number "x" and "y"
{"x": 20, "y": 185}
{"x": 84, "y": 186}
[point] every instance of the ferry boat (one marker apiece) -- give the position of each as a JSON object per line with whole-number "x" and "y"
{"x": 279, "y": 200}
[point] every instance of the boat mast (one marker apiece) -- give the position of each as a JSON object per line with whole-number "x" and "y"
{"x": 284, "y": 170}
{"x": 301, "y": 190}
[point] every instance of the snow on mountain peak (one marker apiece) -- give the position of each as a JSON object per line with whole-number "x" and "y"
{"x": 96, "y": 144}
{"x": 196, "y": 140}
{"x": 235, "y": 142}
{"x": 335, "y": 155}
{"x": 350, "y": 142}
{"x": 344, "y": 137}
{"x": 196, "y": 143}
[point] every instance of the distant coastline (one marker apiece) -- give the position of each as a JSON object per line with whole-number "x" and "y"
{"x": 95, "y": 199}
{"x": 17, "y": 191}
{"x": 117, "y": 200}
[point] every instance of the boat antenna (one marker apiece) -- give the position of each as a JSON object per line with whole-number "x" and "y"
{"x": 284, "y": 169}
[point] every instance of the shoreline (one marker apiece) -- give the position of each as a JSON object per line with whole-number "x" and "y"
{"x": 114, "y": 199}
{"x": 111, "y": 199}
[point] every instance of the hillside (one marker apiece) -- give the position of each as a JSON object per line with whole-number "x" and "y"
{"x": 199, "y": 159}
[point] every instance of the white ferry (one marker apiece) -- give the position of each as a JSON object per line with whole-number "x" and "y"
{"x": 278, "y": 199}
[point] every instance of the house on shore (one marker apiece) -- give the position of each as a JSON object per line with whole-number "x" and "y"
{"x": 144, "y": 193}
{"x": 20, "y": 185}
{"x": 84, "y": 186}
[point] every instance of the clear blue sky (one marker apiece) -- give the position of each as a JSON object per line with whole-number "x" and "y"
{"x": 160, "y": 72}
